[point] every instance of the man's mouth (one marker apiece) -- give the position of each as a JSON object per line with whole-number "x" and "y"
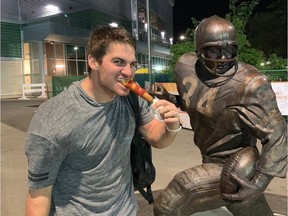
{"x": 123, "y": 80}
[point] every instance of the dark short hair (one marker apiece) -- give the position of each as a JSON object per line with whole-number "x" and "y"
{"x": 101, "y": 37}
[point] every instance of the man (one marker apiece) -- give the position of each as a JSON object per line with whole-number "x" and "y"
{"x": 78, "y": 143}
{"x": 230, "y": 104}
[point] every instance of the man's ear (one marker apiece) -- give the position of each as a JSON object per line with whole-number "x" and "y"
{"x": 93, "y": 64}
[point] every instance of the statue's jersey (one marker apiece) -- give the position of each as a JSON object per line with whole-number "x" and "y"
{"x": 228, "y": 113}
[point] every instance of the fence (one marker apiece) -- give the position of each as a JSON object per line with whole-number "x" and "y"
{"x": 31, "y": 88}
{"x": 276, "y": 74}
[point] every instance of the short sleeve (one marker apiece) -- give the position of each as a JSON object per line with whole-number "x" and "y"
{"x": 44, "y": 160}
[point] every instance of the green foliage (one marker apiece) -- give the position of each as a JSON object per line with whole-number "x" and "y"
{"x": 276, "y": 75}
{"x": 239, "y": 15}
{"x": 170, "y": 73}
{"x": 179, "y": 49}
{"x": 176, "y": 51}
{"x": 274, "y": 62}
{"x": 253, "y": 57}
{"x": 267, "y": 30}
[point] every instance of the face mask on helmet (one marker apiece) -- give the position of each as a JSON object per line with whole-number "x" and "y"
{"x": 220, "y": 52}
{"x": 219, "y": 57}
{"x": 216, "y": 46}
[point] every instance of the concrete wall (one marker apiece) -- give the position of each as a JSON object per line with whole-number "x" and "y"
{"x": 11, "y": 78}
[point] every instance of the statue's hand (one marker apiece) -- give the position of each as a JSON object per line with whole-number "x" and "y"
{"x": 246, "y": 189}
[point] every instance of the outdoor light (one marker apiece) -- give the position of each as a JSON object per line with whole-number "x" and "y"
{"x": 146, "y": 26}
{"x": 113, "y": 24}
{"x": 182, "y": 37}
{"x": 59, "y": 66}
{"x": 52, "y": 8}
{"x": 162, "y": 34}
{"x": 158, "y": 68}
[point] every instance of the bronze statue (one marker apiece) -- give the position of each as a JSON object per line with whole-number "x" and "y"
{"x": 230, "y": 105}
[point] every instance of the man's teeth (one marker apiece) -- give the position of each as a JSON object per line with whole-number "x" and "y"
{"x": 120, "y": 79}
{"x": 123, "y": 79}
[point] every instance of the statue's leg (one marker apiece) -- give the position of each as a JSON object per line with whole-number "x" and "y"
{"x": 256, "y": 206}
{"x": 193, "y": 190}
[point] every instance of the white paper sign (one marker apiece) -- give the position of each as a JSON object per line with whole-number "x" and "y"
{"x": 281, "y": 91}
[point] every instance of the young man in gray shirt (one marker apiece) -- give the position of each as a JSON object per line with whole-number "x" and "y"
{"x": 78, "y": 143}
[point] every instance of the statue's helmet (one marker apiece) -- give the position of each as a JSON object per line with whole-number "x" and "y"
{"x": 216, "y": 45}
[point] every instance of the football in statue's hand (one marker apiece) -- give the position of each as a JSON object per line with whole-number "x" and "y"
{"x": 243, "y": 164}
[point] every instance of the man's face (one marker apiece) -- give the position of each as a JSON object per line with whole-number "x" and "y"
{"x": 118, "y": 62}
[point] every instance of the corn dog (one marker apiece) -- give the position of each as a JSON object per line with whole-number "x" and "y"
{"x": 134, "y": 87}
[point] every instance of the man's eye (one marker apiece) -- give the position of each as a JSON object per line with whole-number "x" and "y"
{"x": 134, "y": 65}
{"x": 119, "y": 63}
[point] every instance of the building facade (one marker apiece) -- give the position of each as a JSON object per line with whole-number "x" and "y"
{"x": 40, "y": 39}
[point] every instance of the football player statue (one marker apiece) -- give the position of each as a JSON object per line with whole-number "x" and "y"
{"x": 230, "y": 105}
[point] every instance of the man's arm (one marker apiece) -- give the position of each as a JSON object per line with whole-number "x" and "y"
{"x": 38, "y": 202}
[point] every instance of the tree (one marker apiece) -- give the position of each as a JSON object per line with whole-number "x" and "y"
{"x": 267, "y": 30}
{"x": 239, "y": 15}
{"x": 175, "y": 52}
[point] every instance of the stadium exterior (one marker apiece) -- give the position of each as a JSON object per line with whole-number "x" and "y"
{"x": 41, "y": 39}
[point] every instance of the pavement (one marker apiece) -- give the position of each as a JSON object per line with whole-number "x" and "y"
{"x": 180, "y": 155}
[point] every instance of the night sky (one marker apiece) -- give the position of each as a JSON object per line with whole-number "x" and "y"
{"x": 183, "y": 11}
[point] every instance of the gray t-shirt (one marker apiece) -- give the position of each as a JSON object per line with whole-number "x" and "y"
{"x": 82, "y": 148}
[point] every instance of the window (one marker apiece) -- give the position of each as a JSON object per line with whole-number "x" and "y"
{"x": 76, "y": 60}
{"x": 55, "y": 62}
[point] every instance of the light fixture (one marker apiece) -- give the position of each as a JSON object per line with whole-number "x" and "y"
{"x": 158, "y": 68}
{"x": 59, "y": 66}
{"x": 113, "y": 24}
{"x": 163, "y": 34}
{"x": 182, "y": 37}
{"x": 52, "y": 8}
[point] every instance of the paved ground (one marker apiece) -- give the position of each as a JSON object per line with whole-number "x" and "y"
{"x": 15, "y": 118}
